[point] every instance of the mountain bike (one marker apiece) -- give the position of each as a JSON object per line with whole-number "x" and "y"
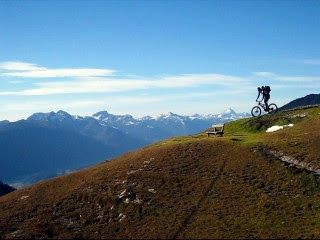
{"x": 256, "y": 110}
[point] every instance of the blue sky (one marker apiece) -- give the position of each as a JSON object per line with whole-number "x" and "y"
{"x": 152, "y": 57}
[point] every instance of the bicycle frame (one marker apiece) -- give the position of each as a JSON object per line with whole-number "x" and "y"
{"x": 259, "y": 103}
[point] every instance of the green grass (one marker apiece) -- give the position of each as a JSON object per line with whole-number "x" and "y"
{"x": 252, "y": 130}
{"x": 260, "y": 124}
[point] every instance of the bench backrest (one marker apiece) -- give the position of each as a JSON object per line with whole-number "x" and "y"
{"x": 221, "y": 126}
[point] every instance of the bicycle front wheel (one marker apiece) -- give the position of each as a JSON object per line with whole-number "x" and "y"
{"x": 256, "y": 111}
{"x": 273, "y": 108}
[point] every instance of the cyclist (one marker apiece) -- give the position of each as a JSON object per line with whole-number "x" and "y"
{"x": 265, "y": 91}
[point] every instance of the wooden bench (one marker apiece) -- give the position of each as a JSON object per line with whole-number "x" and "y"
{"x": 217, "y": 130}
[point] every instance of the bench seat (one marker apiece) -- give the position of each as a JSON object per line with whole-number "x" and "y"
{"x": 216, "y": 130}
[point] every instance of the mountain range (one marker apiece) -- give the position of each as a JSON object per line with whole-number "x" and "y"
{"x": 152, "y": 129}
{"x": 47, "y": 144}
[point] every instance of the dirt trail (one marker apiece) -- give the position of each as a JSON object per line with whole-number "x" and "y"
{"x": 290, "y": 161}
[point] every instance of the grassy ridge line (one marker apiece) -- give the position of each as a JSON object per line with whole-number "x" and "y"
{"x": 257, "y": 126}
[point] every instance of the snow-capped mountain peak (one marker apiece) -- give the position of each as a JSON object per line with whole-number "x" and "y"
{"x": 114, "y": 120}
{"x": 229, "y": 114}
{"x": 230, "y": 111}
{"x": 146, "y": 118}
{"x": 101, "y": 115}
{"x": 63, "y": 115}
{"x": 51, "y": 116}
{"x": 39, "y": 116}
{"x": 169, "y": 115}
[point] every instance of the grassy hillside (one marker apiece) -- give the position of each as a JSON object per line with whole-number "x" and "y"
{"x": 237, "y": 186}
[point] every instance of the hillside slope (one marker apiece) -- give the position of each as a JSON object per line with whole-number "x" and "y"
{"x": 310, "y": 99}
{"x": 237, "y": 186}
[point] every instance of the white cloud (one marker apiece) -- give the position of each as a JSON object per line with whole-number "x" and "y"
{"x": 56, "y": 73}
{"x": 15, "y": 81}
{"x": 20, "y": 66}
{"x": 98, "y": 85}
{"x": 99, "y": 80}
{"x": 201, "y": 79}
{"x": 29, "y": 70}
{"x": 298, "y": 78}
{"x": 264, "y": 74}
{"x": 311, "y": 61}
{"x": 284, "y": 78}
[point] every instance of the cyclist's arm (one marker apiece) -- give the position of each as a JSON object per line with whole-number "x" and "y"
{"x": 258, "y": 96}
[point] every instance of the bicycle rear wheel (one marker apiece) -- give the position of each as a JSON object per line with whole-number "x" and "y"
{"x": 273, "y": 108}
{"x": 256, "y": 111}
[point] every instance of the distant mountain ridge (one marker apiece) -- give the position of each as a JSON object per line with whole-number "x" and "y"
{"x": 152, "y": 129}
{"x": 310, "y": 99}
{"x": 5, "y": 189}
{"x": 148, "y": 129}
{"x": 47, "y": 143}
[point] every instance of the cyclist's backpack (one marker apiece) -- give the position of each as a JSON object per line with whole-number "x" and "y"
{"x": 267, "y": 89}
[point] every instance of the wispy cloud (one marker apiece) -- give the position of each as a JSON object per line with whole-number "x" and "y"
{"x": 87, "y": 80}
{"x": 287, "y": 78}
{"x": 98, "y": 84}
{"x": 56, "y": 73}
{"x": 298, "y": 78}
{"x": 263, "y": 74}
{"x": 16, "y": 81}
{"x": 20, "y": 66}
{"x": 30, "y": 70}
{"x": 311, "y": 61}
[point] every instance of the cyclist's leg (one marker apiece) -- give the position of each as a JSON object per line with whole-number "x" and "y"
{"x": 266, "y": 99}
